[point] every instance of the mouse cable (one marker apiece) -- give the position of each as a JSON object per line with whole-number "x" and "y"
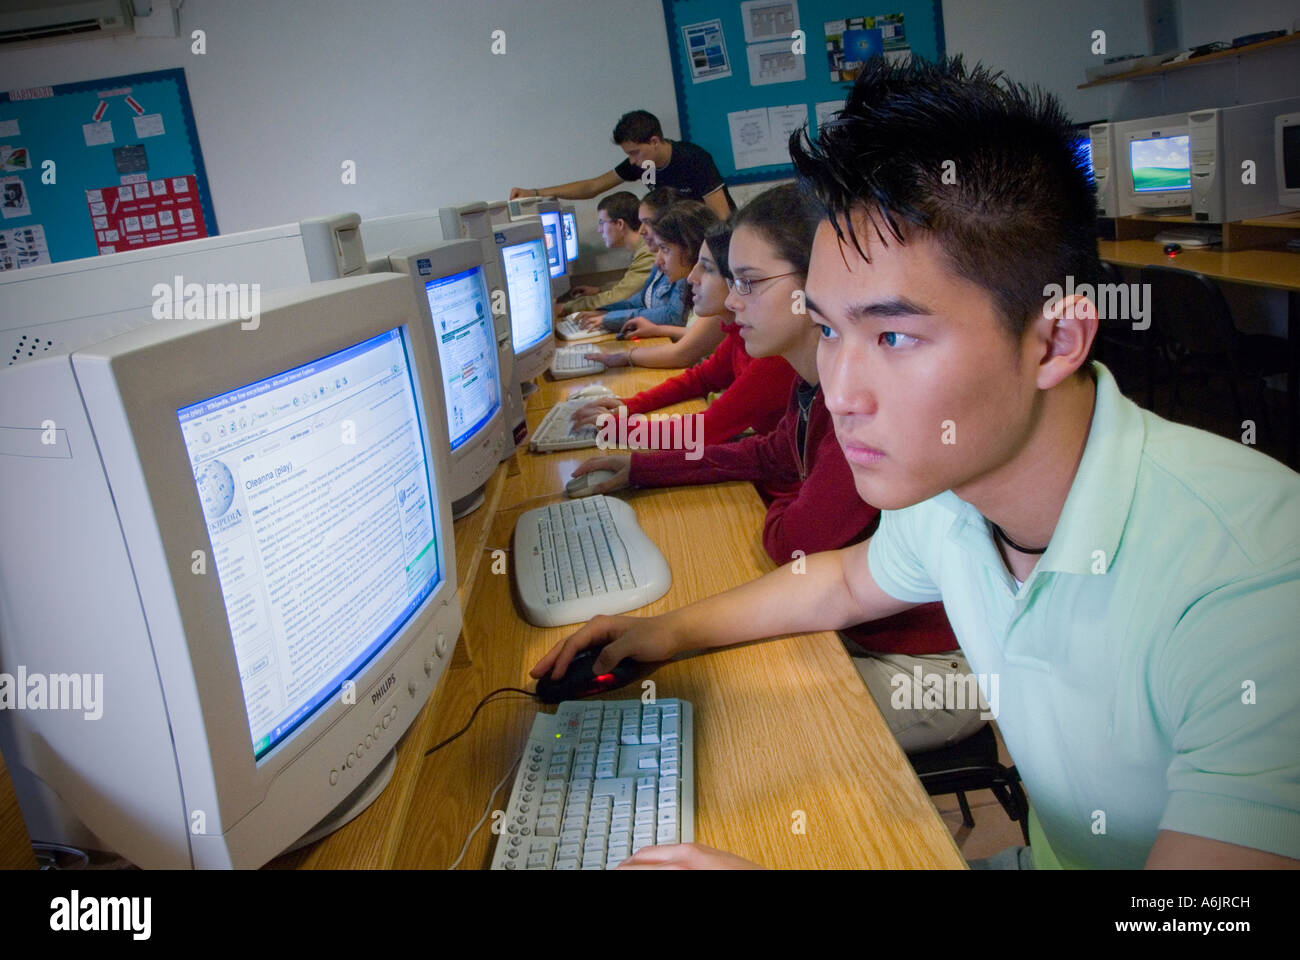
{"x": 488, "y": 812}
{"x": 481, "y": 704}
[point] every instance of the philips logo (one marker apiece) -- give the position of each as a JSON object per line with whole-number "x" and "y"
{"x": 383, "y": 689}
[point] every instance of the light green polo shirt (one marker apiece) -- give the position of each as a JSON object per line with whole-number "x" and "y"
{"x": 1148, "y": 671}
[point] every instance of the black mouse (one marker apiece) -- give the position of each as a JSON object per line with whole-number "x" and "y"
{"x": 1173, "y": 247}
{"x": 579, "y": 681}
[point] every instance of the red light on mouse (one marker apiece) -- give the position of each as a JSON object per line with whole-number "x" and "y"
{"x": 605, "y": 678}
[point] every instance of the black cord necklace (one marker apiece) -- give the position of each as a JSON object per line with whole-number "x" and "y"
{"x": 1001, "y": 535}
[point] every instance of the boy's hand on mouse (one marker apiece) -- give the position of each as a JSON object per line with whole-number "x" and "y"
{"x": 648, "y": 639}
{"x": 686, "y": 856}
{"x": 620, "y": 464}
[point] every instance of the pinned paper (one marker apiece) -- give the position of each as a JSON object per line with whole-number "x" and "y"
{"x": 9, "y": 128}
{"x": 774, "y": 63}
{"x": 97, "y": 133}
{"x": 761, "y": 137}
{"x": 13, "y": 198}
{"x": 23, "y": 247}
{"x": 150, "y": 125}
{"x": 827, "y": 109}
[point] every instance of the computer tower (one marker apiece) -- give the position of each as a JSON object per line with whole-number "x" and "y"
{"x": 1103, "y": 169}
{"x": 1233, "y": 161}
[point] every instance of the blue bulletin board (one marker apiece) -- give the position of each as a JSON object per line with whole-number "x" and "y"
{"x": 740, "y": 83}
{"x": 100, "y": 167}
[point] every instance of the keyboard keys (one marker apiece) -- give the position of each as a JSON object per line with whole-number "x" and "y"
{"x": 566, "y": 818}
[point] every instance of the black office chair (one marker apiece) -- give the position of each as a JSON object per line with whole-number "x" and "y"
{"x": 1124, "y": 350}
{"x": 1199, "y": 338}
{"x": 973, "y": 764}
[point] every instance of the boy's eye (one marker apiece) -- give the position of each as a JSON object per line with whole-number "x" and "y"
{"x": 892, "y": 338}
{"x": 826, "y": 332}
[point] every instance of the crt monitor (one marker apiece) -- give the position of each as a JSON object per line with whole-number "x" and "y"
{"x": 553, "y": 230}
{"x": 449, "y": 282}
{"x": 569, "y": 223}
{"x": 1158, "y": 164}
{"x": 1286, "y": 149}
{"x": 235, "y": 560}
{"x": 528, "y": 288}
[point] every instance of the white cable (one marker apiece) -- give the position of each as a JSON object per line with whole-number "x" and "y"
{"x": 488, "y": 812}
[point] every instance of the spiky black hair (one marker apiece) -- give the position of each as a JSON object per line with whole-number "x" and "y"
{"x": 986, "y": 166}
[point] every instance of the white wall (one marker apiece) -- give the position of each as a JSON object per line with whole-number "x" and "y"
{"x": 408, "y": 89}
{"x": 1046, "y": 43}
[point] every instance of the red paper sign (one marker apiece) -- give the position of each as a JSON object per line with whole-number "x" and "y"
{"x": 150, "y": 213}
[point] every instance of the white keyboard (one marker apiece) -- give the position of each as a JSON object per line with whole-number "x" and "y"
{"x": 569, "y": 329}
{"x": 580, "y": 558}
{"x": 571, "y": 361}
{"x": 557, "y": 432}
{"x": 599, "y": 780}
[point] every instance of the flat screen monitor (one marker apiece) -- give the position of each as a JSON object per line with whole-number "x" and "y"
{"x": 570, "y": 222}
{"x": 1158, "y": 164}
{"x": 251, "y": 549}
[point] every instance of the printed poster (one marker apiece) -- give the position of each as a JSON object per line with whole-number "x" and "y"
{"x": 707, "y": 51}
{"x": 853, "y": 41}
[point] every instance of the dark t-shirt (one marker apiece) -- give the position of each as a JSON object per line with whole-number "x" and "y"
{"x": 690, "y": 170}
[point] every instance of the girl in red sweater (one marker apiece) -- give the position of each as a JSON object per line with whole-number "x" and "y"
{"x": 754, "y": 391}
{"x": 813, "y": 503}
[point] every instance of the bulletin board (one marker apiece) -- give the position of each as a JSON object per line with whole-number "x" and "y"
{"x": 100, "y": 167}
{"x": 741, "y": 89}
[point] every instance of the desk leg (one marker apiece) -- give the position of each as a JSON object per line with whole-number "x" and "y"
{"x": 1293, "y": 377}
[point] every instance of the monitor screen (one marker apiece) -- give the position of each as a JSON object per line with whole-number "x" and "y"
{"x": 553, "y": 231}
{"x": 317, "y": 497}
{"x": 570, "y": 236}
{"x": 462, "y": 322}
{"x": 1160, "y": 163}
{"x": 1291, "y": 157}
{"x": 529, "y": 287}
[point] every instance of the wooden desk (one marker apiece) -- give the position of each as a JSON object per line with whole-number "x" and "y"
{"x": 782, "y": 726}
{"x": 1275, "y": 269}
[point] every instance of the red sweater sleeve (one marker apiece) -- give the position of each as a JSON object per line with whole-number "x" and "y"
{"x": 756, "y": 399}
{"x": 767, "y": 458}
{"x": 715, "y": 372}
{"x": 754, "y": 392}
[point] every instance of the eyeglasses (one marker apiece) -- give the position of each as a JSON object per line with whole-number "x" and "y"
{"x": 745, "y": 285}
{"x": 603, "y": 223}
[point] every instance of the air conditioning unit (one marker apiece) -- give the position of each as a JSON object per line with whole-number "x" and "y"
{"x": 30, "y": 22}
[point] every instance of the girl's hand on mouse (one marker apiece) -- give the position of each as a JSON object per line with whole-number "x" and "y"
{"x": 587, "y": 415}
{"x": 641, "y": 327}
{"x": 686, "y": 856}
{"x": 620, "y": 464}
{"x": 648, "y": 639}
